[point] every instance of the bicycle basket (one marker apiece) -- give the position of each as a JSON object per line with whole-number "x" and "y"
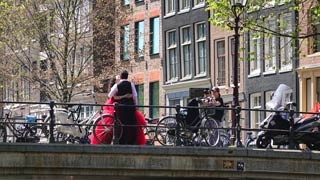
{"x": 30, "y": 119}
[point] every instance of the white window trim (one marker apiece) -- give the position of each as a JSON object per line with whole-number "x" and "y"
{"x": 197, "y": 41}
{"x": 286, "y": 67}
{"x": 167, "y": 12}
{"x": 257, "y": 71}
{"x": 174, "y": 46}
{"x": 187, "y": 43}
{"x": 186, "y": 8}
{"x": 216, "y": 62}
{"x": 255, "y": 122}
{"x": 270, "y": 52}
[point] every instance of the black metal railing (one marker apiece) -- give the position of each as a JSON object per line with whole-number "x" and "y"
{"x": 49, "y": 128}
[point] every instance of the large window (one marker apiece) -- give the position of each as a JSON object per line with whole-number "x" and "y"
{"x": 255, "y": 104}
{"x": 154, "y": 35}
{"x": 221, "y": 62}
{"x": 255, "y": 52}
{"x": 140, "y": 92}
{"x": 154, "y": 99}
{"x": 231, "y": 59}
{"x": 270, "y": 47}
{"x": 172, "y": 55}
{"x": 170, "y": 7}
{"x": 198, "y": 2}
{"x": 139, "y": 39}
{"x": 286, "y": 43}
{"x": 184, "y": 4}
{"x": 186, "y": 50}
{"x": 125, "y": 35}
{"x": 201, "y": 56}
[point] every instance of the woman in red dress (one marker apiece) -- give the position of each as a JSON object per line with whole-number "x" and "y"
{"x": 106, "y": 138}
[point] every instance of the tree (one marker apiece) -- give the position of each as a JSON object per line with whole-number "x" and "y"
{"x": 58, "y": 47}
{"x": 257, "y": 12}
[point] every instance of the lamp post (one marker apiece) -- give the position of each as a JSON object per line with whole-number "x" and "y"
{"x": 237, "y": 7}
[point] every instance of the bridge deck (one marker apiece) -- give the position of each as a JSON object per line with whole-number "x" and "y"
{"x": 150, "y": 161}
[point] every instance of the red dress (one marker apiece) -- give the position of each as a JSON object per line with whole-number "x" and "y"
{"x": 107, "y": 138}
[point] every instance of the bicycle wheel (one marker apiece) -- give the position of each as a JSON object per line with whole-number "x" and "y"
{"x": 166, "y": 131}
{"x": 103, "y": 129}
{"x": 3, "y": 134}
{"x": 31, "y": 134}
{"x": 210, "y": 132}
{"x": 150, "y": 135}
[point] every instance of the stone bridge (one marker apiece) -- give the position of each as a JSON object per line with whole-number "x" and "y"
{"x": 153, "y": 162}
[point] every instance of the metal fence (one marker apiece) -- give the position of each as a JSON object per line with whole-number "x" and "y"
{"x": 56, "y": 117}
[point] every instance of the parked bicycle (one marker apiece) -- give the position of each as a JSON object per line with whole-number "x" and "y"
{"x": 13, "y": 130}
{"x": 71, "y": 129}
{"x": 150, "y": 130}
{"x": 189, "y": 127}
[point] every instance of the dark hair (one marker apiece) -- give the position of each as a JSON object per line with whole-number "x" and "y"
{"x": 113, "y": 81}
{"x": 124, "y": 74}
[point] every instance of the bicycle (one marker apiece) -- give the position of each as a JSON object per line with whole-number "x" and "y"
{"x": 20, "y": 131}
{"x": 71, "y": 129}
{"x": 150, "y": 130}
{"x": 202, "y": 130}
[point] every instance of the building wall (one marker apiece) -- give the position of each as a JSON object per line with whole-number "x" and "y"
{"x": 178, "y": 91}
{"x": 148, "y": 69}
{"x": 309, "y": 63}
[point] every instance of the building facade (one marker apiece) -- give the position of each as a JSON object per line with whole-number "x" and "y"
{"x": 139, "y": 40}
{"x": 309, "y": 67}
{"x": 270, "y": 60}
{"x": 186, "y": 54}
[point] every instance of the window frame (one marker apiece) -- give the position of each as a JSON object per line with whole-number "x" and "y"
{"x": 186, "y": 43}
{"x": 286, "y": 53}
{"x": 169, "y": 47}
{"x": 202, "y": 40}
{"x": 220, "y": 63}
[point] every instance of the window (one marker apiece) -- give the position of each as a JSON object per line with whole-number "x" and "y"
{"x": 221, "y": 62}
{"x": 186, "y": 51}
{"x": 139, "y": 38}
{"x": 140, "y": 92}
{"x": 154, "y": 99}
{"x": 231, "y": 59}
{"x": 267, "y": 99}
{"x": 170, "y": 7}
{"x": 270, "y": 47}
{"x": 86, "y": 112}
{"x": 172, "y": 55}
{"x": 255, "y": 52}
{"x": 85, "y": 14}
{"x": 286, "y": 43}
{"x": 308, "y": 94}
{"x": 201, "y": 48}
{"x": 255, "y": 103}
{"x": 314, "y": 21}
{"x": 184, "y": 4}
{"x": 154, "y": 35}
{"x": 125, "y": 42}
{"x": 173, "y": 102}
{"x": 198, "y": 2}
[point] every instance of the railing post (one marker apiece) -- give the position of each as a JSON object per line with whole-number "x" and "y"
{"x": 115, "y": 124}
{"x": 52, "y": 122}
{"x": 291, "y": 130}
{"x": 177, "y": 131}
{"x": 238, "y": 127}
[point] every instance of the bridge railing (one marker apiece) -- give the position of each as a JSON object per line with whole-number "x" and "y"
{"x": 49, "y": 123}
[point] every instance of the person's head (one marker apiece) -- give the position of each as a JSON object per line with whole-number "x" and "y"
{"x": 215, "y": 91}
{"x": 124, "y": 74}
{"x": 206, "y": 92}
